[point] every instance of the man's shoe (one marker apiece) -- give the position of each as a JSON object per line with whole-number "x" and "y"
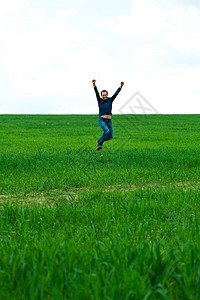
{"x": 99, "y": 148}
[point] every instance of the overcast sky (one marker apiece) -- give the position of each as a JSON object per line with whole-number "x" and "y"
{"x": 51, "y": 50}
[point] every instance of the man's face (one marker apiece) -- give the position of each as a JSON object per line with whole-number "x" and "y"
{"x": 104, "y": 95}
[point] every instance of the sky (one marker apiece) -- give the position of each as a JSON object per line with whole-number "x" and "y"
{"x": 50, "y": 51}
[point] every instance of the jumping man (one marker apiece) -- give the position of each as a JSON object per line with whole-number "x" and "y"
{"x": 105, "y": 112}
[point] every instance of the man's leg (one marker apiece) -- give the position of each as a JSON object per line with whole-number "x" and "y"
{"x": 110, "y": 135}
{"x": 105, "y": 136}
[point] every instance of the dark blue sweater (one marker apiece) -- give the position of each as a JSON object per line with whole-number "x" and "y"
{"x": 105, "y": 106}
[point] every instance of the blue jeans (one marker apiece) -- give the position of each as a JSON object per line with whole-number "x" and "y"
{"x": 106, "y": 125}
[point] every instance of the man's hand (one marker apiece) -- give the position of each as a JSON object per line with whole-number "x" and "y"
{"x": 121, "y": 85}
{"x": 93, "y": 81}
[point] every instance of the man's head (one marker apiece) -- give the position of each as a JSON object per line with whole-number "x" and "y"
{"x": 104, "y": 94}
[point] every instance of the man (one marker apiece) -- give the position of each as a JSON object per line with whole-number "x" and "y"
{"x": 105, "y": 112}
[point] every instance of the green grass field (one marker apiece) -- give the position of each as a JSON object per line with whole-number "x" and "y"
{"x": 121, "y": 223}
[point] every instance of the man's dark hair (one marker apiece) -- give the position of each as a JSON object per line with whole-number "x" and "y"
{"x": 103, "y": 91}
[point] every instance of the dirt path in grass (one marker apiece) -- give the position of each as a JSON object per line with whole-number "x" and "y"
{"x": 51, "y": 197}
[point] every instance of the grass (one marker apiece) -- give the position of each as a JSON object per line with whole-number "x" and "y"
{"x": 48, "y": 152}
{"x": 121, "y": 223}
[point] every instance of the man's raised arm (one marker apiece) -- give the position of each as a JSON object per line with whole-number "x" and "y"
{"x": 117, "y": 91}
{"x": 94, "y": 82}
{"x": 95, "y": 89}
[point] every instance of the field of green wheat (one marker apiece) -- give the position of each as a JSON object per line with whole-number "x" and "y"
{"x": 120, "y": 223}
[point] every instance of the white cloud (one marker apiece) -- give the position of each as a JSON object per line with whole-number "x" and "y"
{"x": 145, "y": 21}
{"x": 63, "y": 13}
{"x": 46, "y": 56}
{"x": 163, "y": 41}
{"x": 157, "y": 26}
{"x": 151, "y": 21}
{"x": 154, "y": 49}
